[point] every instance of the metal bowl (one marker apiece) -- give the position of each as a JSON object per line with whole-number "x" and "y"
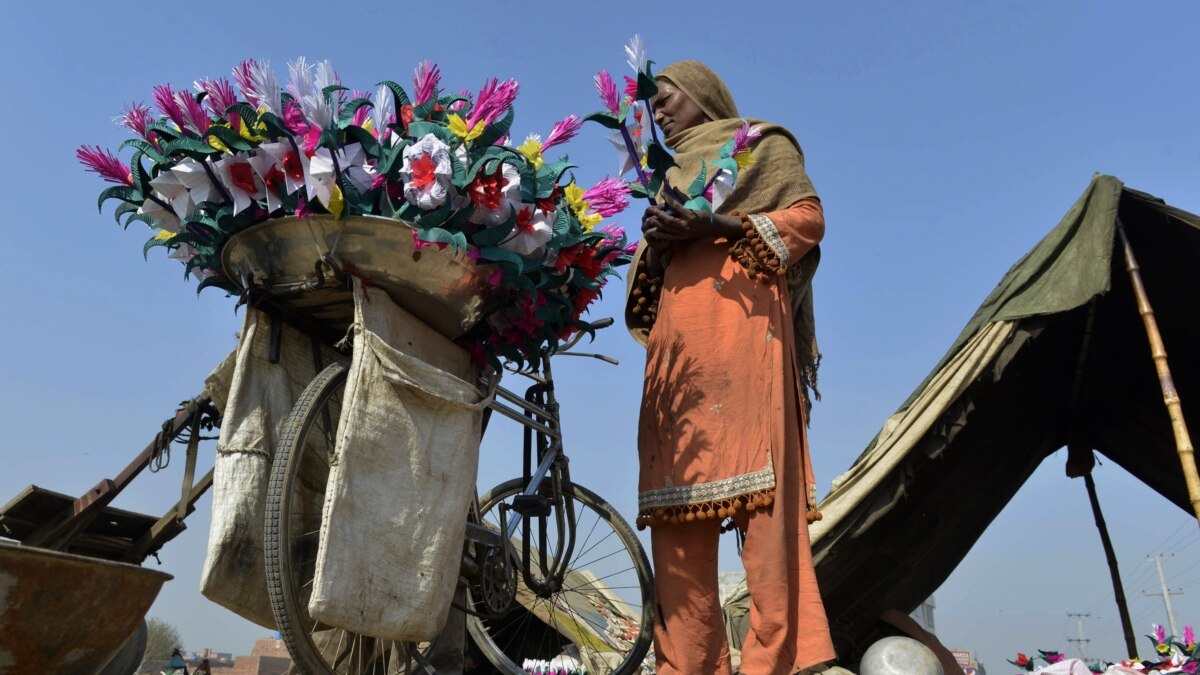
{"x": 68, "y": 614}
{"x": 303, "y": 264}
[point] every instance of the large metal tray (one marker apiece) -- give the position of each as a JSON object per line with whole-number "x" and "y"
{"x": 302, "y": 266}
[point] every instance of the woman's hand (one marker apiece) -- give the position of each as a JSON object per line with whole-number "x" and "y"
{"x": 672, "y": 223}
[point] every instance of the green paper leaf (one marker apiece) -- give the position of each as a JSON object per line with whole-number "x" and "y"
{"x": 701, "y": 180}
{"x": 726, "y": 150}
{"x": 699, "y": 204}
{"x": 549, "y": 176}
{"x": 245, "y": 111}
{"x": 365, "y": 138}
{"x": 492, "y": 236}
{"x": 647, "y": 87}
{"x": 146, "y": 148}
{"x": 348, "y": 111}
{"x": 401, "y": 97}
{"x": 190, "y": 146}
{"x": 276, "y": 127}
{"x": 605, "y": 119}
{"x": 232, "y": 139}
{"x": 502, "y": 255}
{"x": 437, "y": 235}
{"x": 658, "y": 159}
{"x": 496, "y": 130}
{"x": 424, "y": 110}
{"x": 122, "y": 209}
{"x": 139, "y": 217}
{"x": 421, "y": 129}
{"x": 328, "y": 93}
{"x": 122, "y": 192}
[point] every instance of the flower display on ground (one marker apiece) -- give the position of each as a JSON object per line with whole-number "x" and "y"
{"x": 1170, "y": 655}
{"x": 228, "y": 155}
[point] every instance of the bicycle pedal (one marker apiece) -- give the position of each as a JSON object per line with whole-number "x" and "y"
{"x": 531, "y": 506}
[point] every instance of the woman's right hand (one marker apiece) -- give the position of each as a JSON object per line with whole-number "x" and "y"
{"x": 651, "y": 225}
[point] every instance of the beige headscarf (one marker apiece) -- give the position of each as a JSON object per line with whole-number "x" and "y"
{"x": 775, "y": 181}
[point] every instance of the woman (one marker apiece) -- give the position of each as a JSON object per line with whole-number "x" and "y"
{"x": 722, "y": 304}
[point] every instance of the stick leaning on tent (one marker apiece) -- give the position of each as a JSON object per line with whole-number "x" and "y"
{"x": 1183, "y": 440}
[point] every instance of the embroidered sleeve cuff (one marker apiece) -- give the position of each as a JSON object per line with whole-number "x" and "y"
{"x": 643, "y": 299}
{"x": 762, "y": 251}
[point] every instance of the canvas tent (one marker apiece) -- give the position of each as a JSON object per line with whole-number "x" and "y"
{"x": 1012, "y": 390}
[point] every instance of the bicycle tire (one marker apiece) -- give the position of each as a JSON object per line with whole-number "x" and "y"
{"x": 485, "y": 632}
{"x": 298, "y": 478}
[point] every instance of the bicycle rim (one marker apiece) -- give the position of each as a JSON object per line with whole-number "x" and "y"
{"x": 295, "y": 496}
{"x": 602, "y": 617}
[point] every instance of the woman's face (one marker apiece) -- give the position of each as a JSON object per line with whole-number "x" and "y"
{"x": 674, "y": 111}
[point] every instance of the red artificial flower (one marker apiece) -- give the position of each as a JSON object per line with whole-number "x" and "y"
{"x": 273, "y": 177}
{"x": 406, "y": 116}
{"x": 525, "y": 220}
{"x": 292, "y": 166}
{"x": 423, "y": 171}
{"x": 588, "y": 263}
{"x": 242, "y": 176}
{"x": 1022, "y": 660}
{"x": 583, "y": 298}
{"x": 487, "y": 192}
{"x": 566, "y": 257}
{"x": 548, "y": 204}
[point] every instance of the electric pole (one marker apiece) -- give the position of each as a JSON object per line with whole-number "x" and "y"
{"x": 1081, "y": 641}
{"x": 1166, "y": 594}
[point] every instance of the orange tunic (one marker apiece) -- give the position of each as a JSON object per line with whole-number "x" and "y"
{"x": 722, "y": 434}
{"x": 719, "y": 361}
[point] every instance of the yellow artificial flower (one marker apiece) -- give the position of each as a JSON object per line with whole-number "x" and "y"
{"x": 336, "y": 201}
{"x": 574, "y": 195}
{"x": 744, "y": 159}
{"x": 216, "y": 143}
{"x": 589, "y": 220}
{"x": 163, "y": 235}
{"x": 250, "y": 135}
{"x": 458, "y": 127}
{"x": 369, "y": 124}
{"x": 532, "y": 150}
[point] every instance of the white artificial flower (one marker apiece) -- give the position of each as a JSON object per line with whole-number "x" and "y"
{"x": 533, "y": 229}
{"x": 238, "y": 176}
{"x": 509, "y": 199}
{"x": 427, "y": 172}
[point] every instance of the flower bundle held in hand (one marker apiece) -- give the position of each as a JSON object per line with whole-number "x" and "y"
{"x": 216, "y": 161}
{"x": 1172, "y": 655}
{"x": 631, "y": 114}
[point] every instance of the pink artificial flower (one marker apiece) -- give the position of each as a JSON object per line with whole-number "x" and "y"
{"x": 608, "y": 197}
{"x": 293, "y": 117}
{"x": 608, "y": 91}
{"x": 743, "y": 137}
{"x": 196, "y": 115}
{"x": 364, "y": 112}
{"x": 258, "y": 85}
{"x": 1159, "y": 634}
{"x": 219, "y": 95}
{"x": 1189, "y": 636}
{"x": 136, "y": 118}
{"x": 425, "y": 79}
{"x": 465, "y": 100}
{"x": 493, "y": 101}
{"x": 630, "y": 88}
{"x": 563, "y": 132}
{"x": 1191, "y": 667}
{"x": 165, "y": 99}
{"x": 104, "y": 164}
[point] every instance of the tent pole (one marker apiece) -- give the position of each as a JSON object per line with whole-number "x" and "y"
{"x": 1114, "y": 572}
{"x": 1080, "y": 462}
{"x": 1183, "y": 440}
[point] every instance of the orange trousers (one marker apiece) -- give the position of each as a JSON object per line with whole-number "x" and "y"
{"x": 788, "y": 629}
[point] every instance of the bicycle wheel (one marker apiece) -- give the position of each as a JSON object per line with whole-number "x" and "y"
{"x": 600, "y": 613}
{"x": 295, "y": 495}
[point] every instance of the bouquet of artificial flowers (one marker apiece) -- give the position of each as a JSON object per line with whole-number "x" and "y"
{"x": 215, "y": 161}
{"x": 1171, "y": 655}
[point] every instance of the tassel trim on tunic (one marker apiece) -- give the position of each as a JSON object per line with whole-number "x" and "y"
{"x": 643, "y": 299}
{"x": 717, "y": 509}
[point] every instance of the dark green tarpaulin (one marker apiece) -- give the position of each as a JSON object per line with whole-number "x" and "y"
{"x": 919, "y": 498}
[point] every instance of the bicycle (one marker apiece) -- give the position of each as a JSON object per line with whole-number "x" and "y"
{"x": 537, "y": 547}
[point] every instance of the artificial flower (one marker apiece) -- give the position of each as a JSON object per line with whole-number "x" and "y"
{"x": 495, "y": 195}
{"x": 136, "y": 118}
{"x": 307, "y": 84}
{"x": 383, "y": 112}
{"x": 258, "y": 85}
{"x": 608, "y": 197}
{"x": 218, "y": 95}
{"x": 608, "y": 91}
{"x": 636, "y": 51}
{"x": 293, "y": 164}
{"x": 104, "y": 164}
{"x": 563, "y": 131}
{"x": 427, "y": 172}
{"x": 168, "y": 104}
{"x": 531, "y": 149}
{"x": 425, "y": 81}
{"x": 460, "y": 128}
{"x": 240, "y": 181}
{"x": 195, "y": 178}
{"x": 493, "y": 102}
{"x": 533, "y": 229}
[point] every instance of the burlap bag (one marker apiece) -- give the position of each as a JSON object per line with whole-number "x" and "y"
{"x": 254, "y": 397}
{"x": 402, "y": 480}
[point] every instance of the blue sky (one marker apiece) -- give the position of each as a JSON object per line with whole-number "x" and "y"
{"x": 945, "y": 139}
